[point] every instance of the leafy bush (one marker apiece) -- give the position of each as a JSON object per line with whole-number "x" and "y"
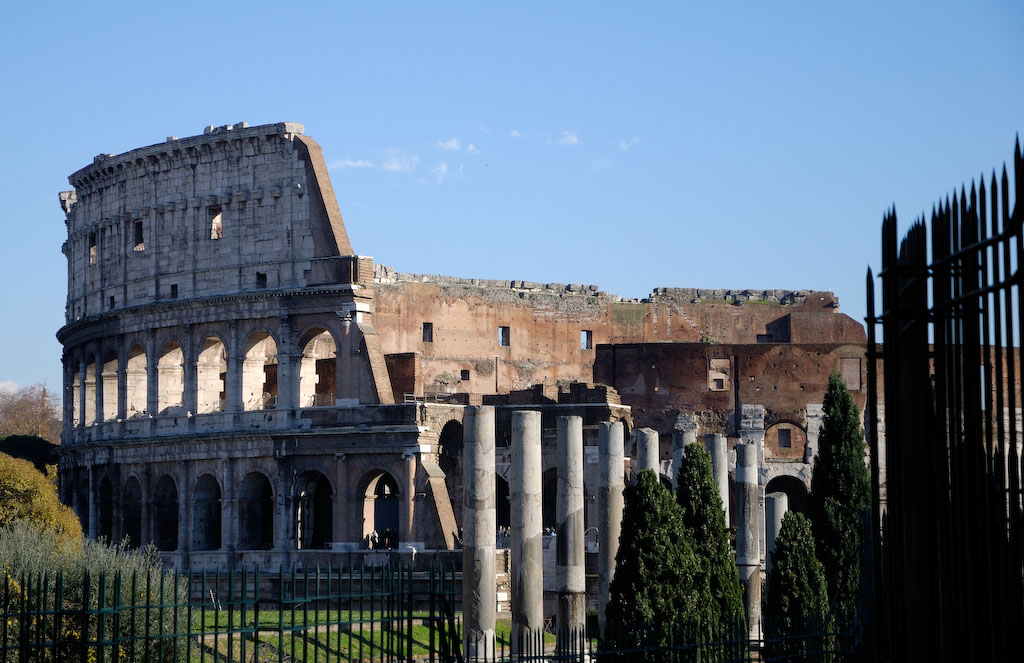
{"x": 26, "y": 494}
{"x": 43, "y": 563}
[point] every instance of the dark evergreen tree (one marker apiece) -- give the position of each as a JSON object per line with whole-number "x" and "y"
{"x": 795, "y": 601}
{"x": 840, "y": 498}
{"x": 653, "y": 591}
{"x": 704, "y": 524}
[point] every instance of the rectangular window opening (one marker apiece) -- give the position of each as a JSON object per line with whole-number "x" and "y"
{"x": 785, "y": 438}
{"x": 428, "y": 332}
{"x": 140, "y": 244}
{"x": 261, "y": 280}
{"x": 111, "y": 302}
{"x": 719, "y": 384}
{"x": 465, "y": 374}
{"x": 504, "y": 337}
{"x": 216, "y": 222}
{"x": 174, "y": 291}
{"x": 92, "y": 248}
{"x": 586, "y": 339}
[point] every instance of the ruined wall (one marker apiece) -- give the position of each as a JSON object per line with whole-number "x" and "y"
{"x": 237, "y": 209}
{"x": 553, "y": 329}
{"x": 661, "y": 379}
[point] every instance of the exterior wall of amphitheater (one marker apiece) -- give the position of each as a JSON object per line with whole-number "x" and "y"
{"x": 241, "y": 387}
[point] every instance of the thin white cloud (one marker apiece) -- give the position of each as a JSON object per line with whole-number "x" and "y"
{"x": 515, "y": 133}
{"x": 472, "y": 149}
{"x": 349, "y": 163}
{"x": 399, "y": 162}
{"x": 569, "y": 138}
{"x": 9, "y": 386}
{"x": 441, "y": 172}
{"x": 451, "y": 144}
{"x": 624, "y": 144}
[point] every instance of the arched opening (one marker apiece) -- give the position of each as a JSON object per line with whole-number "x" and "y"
{"x": 449, "y": 459}
{"x": 380, "y": 511}
{"x": 317, "y": 370}
{"x": 108, "y": 379}
{"x": 171, "y": 379}
{"x": 89, "y": 415}
{"x": 165, "y": 514}
{"x": 259, "y": 373}
{"x": 206, "y": 519}
{"x": 135, "y": 382}
{"x": 795, "y": 490}
{"x": 502, "y": 502}
{"x": 211, "y": 372}
{"x": 76, "y": 398}
{"x": 314, "y": 511}
{"x": 105, "y": 515}
{"x": 131, "y": 512}
{"x": 256, "y": 513}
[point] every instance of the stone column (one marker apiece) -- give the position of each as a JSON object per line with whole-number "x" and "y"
{"x": 190, "y": 390}
{"x": 748, "y": 555}
{"x": 685, "y": 432}
{"x": 407, "y": 514}
{"x": 611, "y": 456}
{"x": 479, "y": 598}
{"x": 525, "y": 486}
{"x": 775, "y": 505}
{"x": 648, "y": 451}
{"x": 570, "y": 563}
{"x": 82, "y": 399}
{"x": 233, "y": 379}
{"x": 185, "y": 508}
{"x": 718, "y": 449}
{"x": 229, "y": 515}
{"x": 91, "y": 501}
{"x": 152, "y": 376}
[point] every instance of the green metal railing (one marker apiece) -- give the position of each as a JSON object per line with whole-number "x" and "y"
{"x": 384, "y": 613}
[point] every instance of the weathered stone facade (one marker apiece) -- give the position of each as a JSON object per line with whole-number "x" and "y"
{"x": 241, "y": 387}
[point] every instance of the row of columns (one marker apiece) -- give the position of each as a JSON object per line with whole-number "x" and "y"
{"x": 479, "y": 602}
{"x": 525, "y": 485}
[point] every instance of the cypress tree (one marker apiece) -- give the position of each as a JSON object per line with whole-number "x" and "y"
{"x": 840, "y": 498}
{"x": 653, "y": 589}
{"x": 796, "y": 600}
{"x": 704, "y": 524}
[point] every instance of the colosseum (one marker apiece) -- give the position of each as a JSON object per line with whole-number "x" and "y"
{"x": 240, "y": 387}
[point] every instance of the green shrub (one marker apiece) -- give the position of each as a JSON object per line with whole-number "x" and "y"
{"x": 35, "y": 559}
{"x": 795, "y": 602}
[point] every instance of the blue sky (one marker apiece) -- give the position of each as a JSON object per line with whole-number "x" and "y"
{"x": 631, "y": 145}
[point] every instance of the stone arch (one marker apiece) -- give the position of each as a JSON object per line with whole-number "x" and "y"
{"x": 108, "y": 384}
{"x": 105, "y": 509}
{"x": 259, "y": 372}
{"x": 206, "y": 514}
{"x": 314, "y": 511}
{"x": 211, "y": 375}
{"x": 165, "y": 514}
{"x": 785, "y": 440}
{"x": 794, "y": 488}
{"x": 170, "y": 379}
{"x": 89, "y": 416}
{"x": 449, "y": 459}
{"x": 76, "y": 396}
{"x": 136, "y": 378}
{"x": 256, "y": 512}
{"x": 381, "y": 500}
{"x": 131, "y": 512}
{"x": 318, "y": 364}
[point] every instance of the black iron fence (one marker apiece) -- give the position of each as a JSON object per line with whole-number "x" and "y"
{"x": 953, "y": 531}
{"x": 389, "y": 612}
